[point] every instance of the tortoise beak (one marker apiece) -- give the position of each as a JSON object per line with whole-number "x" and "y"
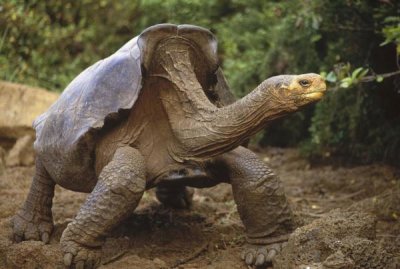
{"x": 315, "y": 95}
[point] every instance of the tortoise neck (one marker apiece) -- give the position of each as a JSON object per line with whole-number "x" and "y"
{"x": 202, "y": 129}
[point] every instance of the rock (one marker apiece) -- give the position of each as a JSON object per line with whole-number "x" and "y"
{"x": 22, "y": 153}
{"x": 158, "y": 263}
{"x": 341, "y": 239}
{"x": 19, "y": 106}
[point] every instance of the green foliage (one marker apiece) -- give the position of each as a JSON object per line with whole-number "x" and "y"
{"x": 391, "y": 31}
{"x": 51, "y": 41}
{"x": 47, "y": 43}
{"x": 344, "y": 78}
{"x": 361, "y": 120}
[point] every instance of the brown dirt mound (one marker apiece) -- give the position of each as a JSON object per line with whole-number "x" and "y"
{"x": 337, "y": 240}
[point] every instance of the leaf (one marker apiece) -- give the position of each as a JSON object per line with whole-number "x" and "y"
{"x": 344, "y": 85}
{"x": 346, "y": 82}
{"x": 363, "y": 73}
{"x": 379, "y": 78}
{"x": 315, "y": 23}
{"x": 331, "y": 77}
{"x": 387, "y": 41}
{"x": 356, "y": 72}
{"x": 391, "y": 19}
{"x": 315, "y": 38}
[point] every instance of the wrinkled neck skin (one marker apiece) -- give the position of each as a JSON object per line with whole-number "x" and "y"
{"x": 202, "y": 129}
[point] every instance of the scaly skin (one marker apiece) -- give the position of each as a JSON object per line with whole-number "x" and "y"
{"x": 261, "y": 203}
{"x": 259, "y": 196}
{"x": 118, "y": 191}
{"x": 34, "y": 221}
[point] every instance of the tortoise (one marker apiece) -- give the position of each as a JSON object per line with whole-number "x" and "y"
{"x": 159, "y": 113}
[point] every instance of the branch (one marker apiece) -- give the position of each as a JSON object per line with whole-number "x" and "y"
{"x": 367, "y": 79}
{"x": 339, "y": 28}
{"x": 374, "y": 77}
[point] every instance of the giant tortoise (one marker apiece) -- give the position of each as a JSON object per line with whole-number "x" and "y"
{"x": 158, "y": 113}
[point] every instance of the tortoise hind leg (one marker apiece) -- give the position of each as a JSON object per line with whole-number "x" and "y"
{"x": 34, "y": 221}
{"x": 118, "y": 191}
{"x": 174, "y": 191}
{"x": 179, "y": 197}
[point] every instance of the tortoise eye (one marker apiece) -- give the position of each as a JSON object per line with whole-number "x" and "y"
{"x": 304, "y": 83}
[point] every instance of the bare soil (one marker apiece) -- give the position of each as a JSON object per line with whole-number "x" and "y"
{"x": 365, "y": 221}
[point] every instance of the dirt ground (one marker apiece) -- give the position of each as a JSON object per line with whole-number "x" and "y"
{"x": 210, "y": 235}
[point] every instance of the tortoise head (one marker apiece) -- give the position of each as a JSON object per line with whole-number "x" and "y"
{"x": 296, "y": 90}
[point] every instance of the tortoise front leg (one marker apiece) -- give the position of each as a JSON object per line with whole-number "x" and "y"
{"x": 120, "y": 187}
{"x": 261, "y": 204}
{"x": 34, "y": 221}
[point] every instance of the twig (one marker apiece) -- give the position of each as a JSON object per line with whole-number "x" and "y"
{"x": 387, "y": 235}
{"x": 338, "y": 28}
{"x": 4, "y": 37}
{"x": 386, "y": 75}
{"x": 191, "y": 257}
{"x": 312, "y": 214}
{"x": 348, "y": 196}
{"x": 115, "y": 257}
{"x": 369, "y": 79}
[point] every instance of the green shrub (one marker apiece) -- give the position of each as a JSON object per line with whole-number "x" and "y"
{"x": 47, "y": 43}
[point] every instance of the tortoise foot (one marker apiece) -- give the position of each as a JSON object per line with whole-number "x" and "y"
{"x": 32, "y": 226}
{"x": 260, "y": 256}
{"x": 80, "y": 257}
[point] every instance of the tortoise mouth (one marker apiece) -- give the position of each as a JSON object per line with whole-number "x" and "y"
{"x": 316, "y": 94}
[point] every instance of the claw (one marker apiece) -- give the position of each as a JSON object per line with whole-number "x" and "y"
{"x": 27, "y": 226}
{"x": 271, "y": 255}
{"x": 45, "y": 238}
{"x": 260, "y": 260}
{"x": 78, "y": 256}
{"x": 243, "y": 255}
{"x": 68, "y": 259}
{"x": 249, "y": 259}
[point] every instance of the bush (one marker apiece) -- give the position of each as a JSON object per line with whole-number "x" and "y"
{"x": 47, "y": 43}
